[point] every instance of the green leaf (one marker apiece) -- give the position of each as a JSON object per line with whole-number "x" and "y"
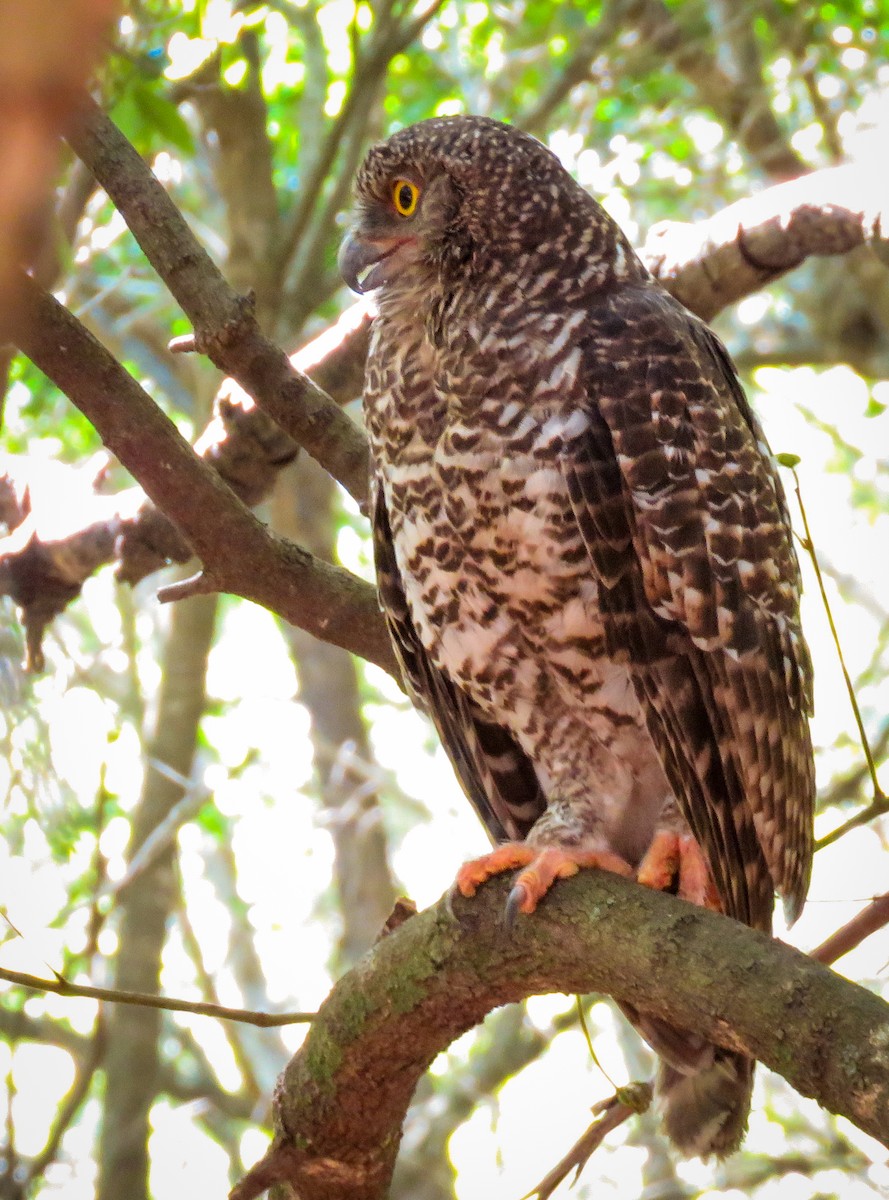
{"x": 788, "y": 460}
{"x": 163, "y": 116}
{"x": 874, "y": 408}
{"x": 127, "y": 116}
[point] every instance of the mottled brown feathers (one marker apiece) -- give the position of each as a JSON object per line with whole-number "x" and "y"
{"x": 582, "y": 543}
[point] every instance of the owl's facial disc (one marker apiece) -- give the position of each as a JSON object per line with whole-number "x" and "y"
{"x": 400, "y": 220}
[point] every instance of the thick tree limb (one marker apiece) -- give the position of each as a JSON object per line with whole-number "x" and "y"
{"x": 739, "y": 250}
{"x": 341, "y": 1100}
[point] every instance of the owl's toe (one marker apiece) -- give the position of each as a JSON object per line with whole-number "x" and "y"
{"x": 540, "y": 869}
{"x": 675, "y": 862}
{"x": 553, "y": 863}
{"x": 505, "y": 857}
{"x": 695, "y": 881}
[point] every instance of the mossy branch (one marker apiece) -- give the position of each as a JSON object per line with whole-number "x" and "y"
{"x": 341, "y": 1101}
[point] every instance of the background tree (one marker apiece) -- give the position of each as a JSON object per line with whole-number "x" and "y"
{"x": 210, "y": 802}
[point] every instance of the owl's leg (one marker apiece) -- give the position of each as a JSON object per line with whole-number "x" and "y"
{"x": 542, "y": 867}
{"x": 677, "y": 859}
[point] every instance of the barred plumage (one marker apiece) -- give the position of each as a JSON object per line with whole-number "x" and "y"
{"x": 582, "y": 546}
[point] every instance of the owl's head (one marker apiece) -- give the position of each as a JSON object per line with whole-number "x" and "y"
{"x": 442, "y": 191}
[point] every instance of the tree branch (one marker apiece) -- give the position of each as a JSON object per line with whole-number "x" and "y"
{"x": 741, "y": 104}
{"x": 854, "y": 932}
{"x": 63, "y": 987}
{"x": 739, "y": 250}
{"x": 225, "y": 328}
{"x": 321, "y": 598}
{"x": 341, "y": 1100}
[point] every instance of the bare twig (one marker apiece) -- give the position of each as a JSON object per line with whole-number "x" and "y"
{"x": 877, "y": 808}
{"x": 809, "y": 546}
{"x": 852, "y": 934}
{"x": 165, "y": 832}
{"x": 64, "y": 987}
{"x": 610, "y": 1114}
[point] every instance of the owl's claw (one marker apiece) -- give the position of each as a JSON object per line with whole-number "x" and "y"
{"x": 541, "y": 869}
{"x": 673, "y": 859}
{"x": 515, "y": 902}
{"x": 505, "y": 857}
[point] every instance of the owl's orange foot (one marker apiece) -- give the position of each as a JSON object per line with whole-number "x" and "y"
{"x": 673, "y": 860}
{"x": 541, "y": 869}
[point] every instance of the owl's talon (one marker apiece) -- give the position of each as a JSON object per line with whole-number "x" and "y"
{"x": 515, "y": 903}
{"x": 659, "y": 868}
{"x": 452, "y": 893}
{"x": 542, "y": 867}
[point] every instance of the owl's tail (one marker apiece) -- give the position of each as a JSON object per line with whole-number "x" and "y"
{"x": 705, "y": 1113}
{"x": 702, "y": 1091}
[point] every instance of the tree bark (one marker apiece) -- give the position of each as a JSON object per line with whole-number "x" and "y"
{"x": 342, "y": 1099}
{"x": 304, "y": 510}
{"x": 132, "y": 1064}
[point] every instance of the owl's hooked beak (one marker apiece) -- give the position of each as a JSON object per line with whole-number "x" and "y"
{"x": 367, "y": 263}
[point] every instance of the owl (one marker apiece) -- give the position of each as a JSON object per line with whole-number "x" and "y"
{"x": 583, "y": 554}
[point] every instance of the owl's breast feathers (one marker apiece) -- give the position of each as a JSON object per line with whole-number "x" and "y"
{"x": 570, "y": 491}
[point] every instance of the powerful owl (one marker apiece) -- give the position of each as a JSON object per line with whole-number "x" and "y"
{"x": 583, "y": 554}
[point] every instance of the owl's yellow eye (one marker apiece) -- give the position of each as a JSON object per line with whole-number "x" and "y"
{"x": 405, "y": 196}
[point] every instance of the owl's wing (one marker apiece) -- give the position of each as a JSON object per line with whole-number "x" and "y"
{"x": 495, "y": 773}
{"x": 686, "y": 526}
